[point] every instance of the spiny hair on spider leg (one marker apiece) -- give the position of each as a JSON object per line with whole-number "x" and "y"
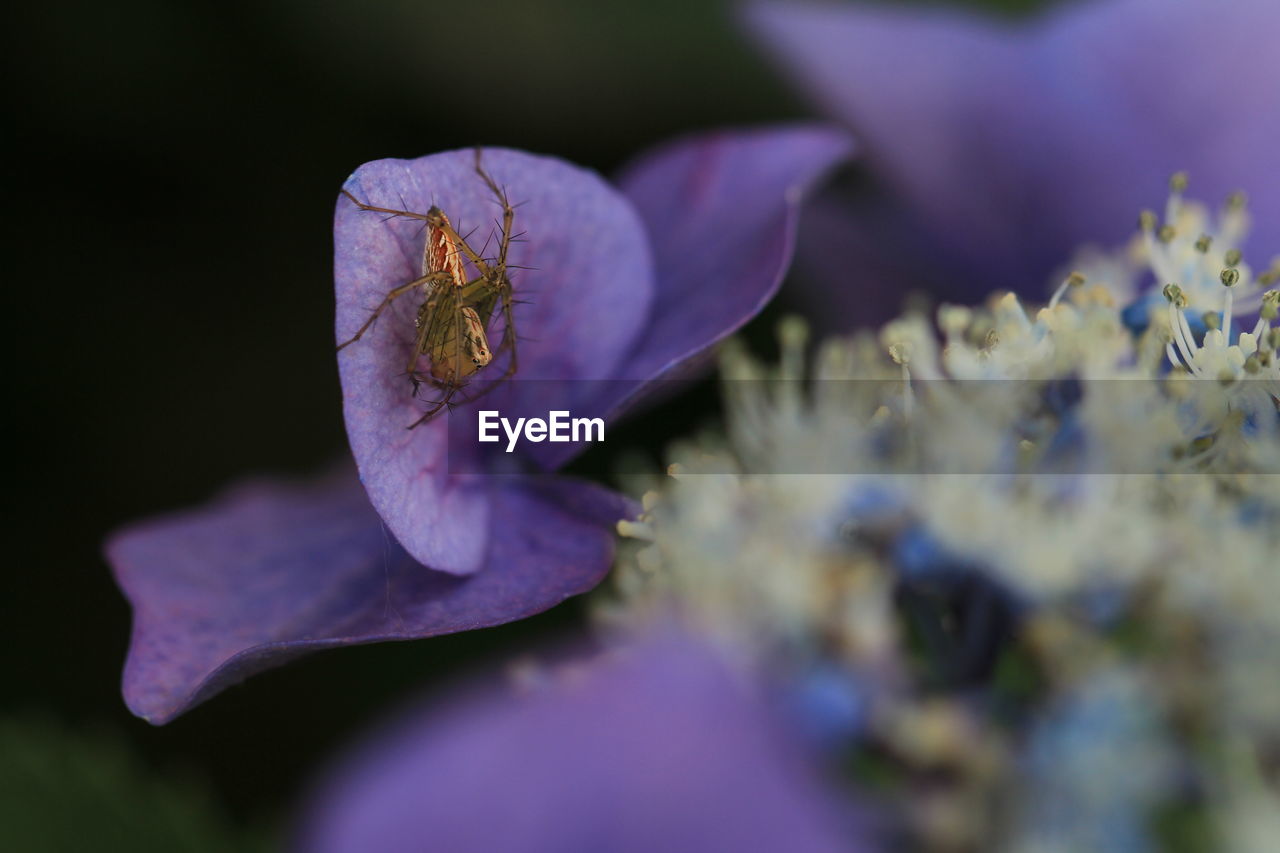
{"x": 484, "y": 248}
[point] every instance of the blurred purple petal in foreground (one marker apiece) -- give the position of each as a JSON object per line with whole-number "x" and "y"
{"x": 273, "y": 570}
{"x": 1014, "y": 143}
{"x": 661, "y": 748}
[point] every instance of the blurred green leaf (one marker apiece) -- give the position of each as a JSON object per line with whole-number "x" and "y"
{"x": 63, "y": 790}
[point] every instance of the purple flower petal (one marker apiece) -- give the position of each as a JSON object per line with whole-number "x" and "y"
{"x": 589, "y": 293}
{"x": 1019, "y": 142}
{"x": 272, "y": 570}
{"x": 926, "y": 120}
{"x": 657, "y": 749}
{"x": 721, "y": 211}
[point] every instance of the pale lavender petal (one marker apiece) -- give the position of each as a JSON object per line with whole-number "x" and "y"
{"x": 1142, "y": 88}
{"x": 588, "y": 299}
{"x": 925, "y": 89}
{"x": 660, "y": 748}
{"x": 1018, "y": 142}
{"x": 272, "y": 570}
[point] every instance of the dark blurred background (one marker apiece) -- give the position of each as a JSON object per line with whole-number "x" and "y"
{"x": 170, "y": 184}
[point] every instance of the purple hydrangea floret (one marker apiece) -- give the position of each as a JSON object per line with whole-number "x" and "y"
{"x": 1007, "y": 145}
{"x": 271, "y": 570}
{"x": 661, "y": 747}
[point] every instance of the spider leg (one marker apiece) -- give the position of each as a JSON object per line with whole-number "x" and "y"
{"x": 485, "y": 389}
{"x": 435, "y": 407}
{"x": 440, "y": 338}
{"x": 388, "y": 210}
{"x": 509, "y": 330}
{"x": 419, "y": 348}
{"x": 508, "y": 212}
{"x": 395, "y": 294}
{"x": 500, "y": 283}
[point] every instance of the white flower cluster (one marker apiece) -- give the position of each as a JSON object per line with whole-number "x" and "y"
{"x": 1075, "y": 465}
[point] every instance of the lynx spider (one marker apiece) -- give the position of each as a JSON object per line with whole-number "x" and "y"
{"x": 452, "y": 321}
